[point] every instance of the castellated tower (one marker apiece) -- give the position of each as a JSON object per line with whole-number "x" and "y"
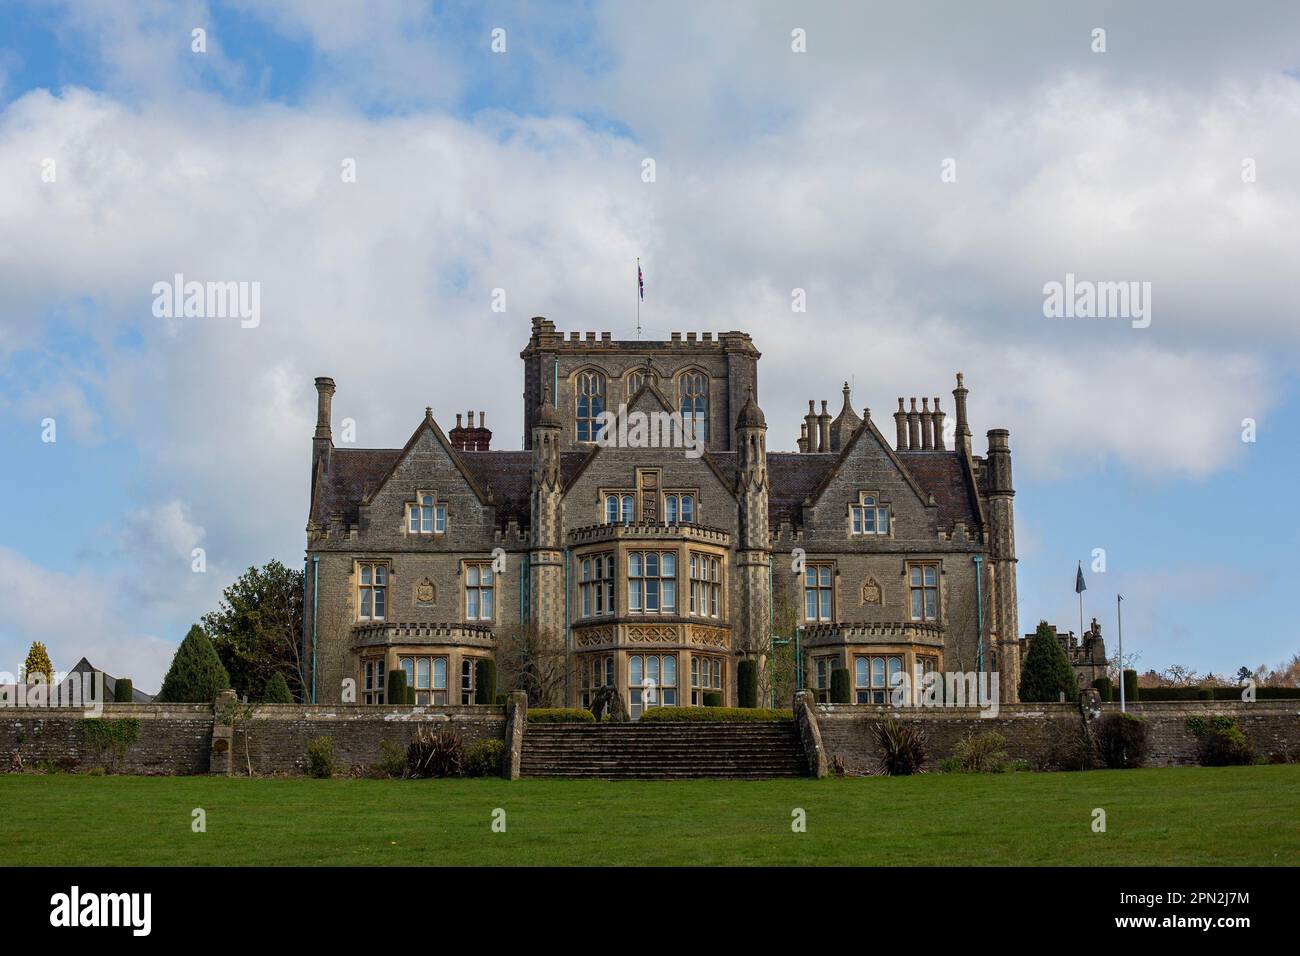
{"x": 545, "y": 557}
{"x": 753, "y": 554}
{"x": 1004, "y": 627}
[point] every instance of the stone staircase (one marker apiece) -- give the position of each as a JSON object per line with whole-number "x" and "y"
{"x": 663, "y": 751}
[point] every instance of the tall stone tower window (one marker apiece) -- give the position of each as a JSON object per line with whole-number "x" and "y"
{"x": 693, "y": 393}
{"x": 591, "y": 404}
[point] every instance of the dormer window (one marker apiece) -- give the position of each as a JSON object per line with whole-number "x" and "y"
{"x": 426, "y": 515}
{"x": 869, "y": 515}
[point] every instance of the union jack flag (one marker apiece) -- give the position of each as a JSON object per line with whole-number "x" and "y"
{"x": 640, "y": 280}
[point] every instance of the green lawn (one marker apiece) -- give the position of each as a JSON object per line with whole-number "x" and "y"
{"x": 1191, "y": 816}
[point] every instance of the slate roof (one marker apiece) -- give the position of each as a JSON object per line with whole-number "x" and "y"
{"x": 793, "y": 477}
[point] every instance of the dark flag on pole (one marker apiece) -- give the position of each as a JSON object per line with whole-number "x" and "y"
{"x": 1079, "y": 586}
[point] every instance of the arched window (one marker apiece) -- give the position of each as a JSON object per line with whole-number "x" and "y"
{"x": 591, "y": 403}
{"x": 634, "y": 383}
{"x": 628, "y": 505}
{"x": 693, "y": 393}
{"x": 611, "y": 509}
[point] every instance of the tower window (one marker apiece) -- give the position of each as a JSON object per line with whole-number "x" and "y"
{"x": 923, "y": 583}
{"x": 372, "y": 592}
{"x": 817, "y": 591}
{"x": 693, "y": 395}
{"x": 591, "y": 404}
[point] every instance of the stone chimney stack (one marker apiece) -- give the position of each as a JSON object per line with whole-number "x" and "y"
{"x": 803, "y": 436}
{"x": 959, "y": 394}
{"x": 938, "y": 426}
{"x": 466, "y": 437}
{"x": 323, "y": 440}
{"x": 824, "y": 429}
{"x": 927, "y": 426}
{"x": 810, "y": 423}
{"x": 913, "y": 427}
{"x": 900, "y": 423}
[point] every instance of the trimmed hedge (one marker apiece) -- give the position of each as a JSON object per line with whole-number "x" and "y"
{"x": 713, "y": 698}
{"x": 712, "y": 715}
{"x": 560, "y": 715}
{"x": 1220, "y": 693}
{"x": 396, "y": 693}
{"x": 747, "y": 683}
{"x": 1104, "y": 688}
{"x": 1130, "y": 685}
{"x": 841, "y": 692}
{"x": 123, "y": 691}
{"x": 485, "y": 681}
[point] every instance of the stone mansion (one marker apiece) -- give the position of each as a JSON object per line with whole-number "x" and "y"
{"x": 643, "y": 563}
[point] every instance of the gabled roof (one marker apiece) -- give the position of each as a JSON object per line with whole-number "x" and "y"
{"x": 84, "y": 666}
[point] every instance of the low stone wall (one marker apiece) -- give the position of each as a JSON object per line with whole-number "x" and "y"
{"x": 1271, "y": 726}
{"x": 278, "y": 734}
{"x": 172, "y": 739}
{"x": 1033, "y": 730}
{"x": 177, "y": 738}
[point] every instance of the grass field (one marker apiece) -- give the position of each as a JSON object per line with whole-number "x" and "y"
{"x": 1188, "y": 816}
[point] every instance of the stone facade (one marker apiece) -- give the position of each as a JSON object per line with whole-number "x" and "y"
{"x": 1087, "y": 657}
{"x": 895, "y": 558}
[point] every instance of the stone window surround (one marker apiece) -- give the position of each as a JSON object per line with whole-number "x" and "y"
{"x": 881, "y": 503}
{"x": 440, "y": 511}
{"x": 370, "y": 562}
{"x": 603, "y": 494}
{"x": 465, "y": 566}
{"x": 682, "y": 550}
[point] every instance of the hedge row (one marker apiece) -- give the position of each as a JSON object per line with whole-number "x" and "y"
{"x": 560, "y": 715}
{"x": 712, "y": 715}
{"x": 1218, "y": 693}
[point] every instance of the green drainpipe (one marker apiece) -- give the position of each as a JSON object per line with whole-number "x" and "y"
{"x": 979, "y": 612}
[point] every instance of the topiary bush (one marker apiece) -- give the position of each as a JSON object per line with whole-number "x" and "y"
{"x": 1130, "y": 686}
{"x": 711, "y": 715}
{"x": 1121, "y": 741}
{"x": 841, "y": 691}
{"x": 1046, "y": 673}
{"x": 437, "y": 754}
{"x": 124, "y": 691}
{"x": 196, "y": 674}
{"x": 1104, "y": 688}
{"x": 395, "y": 692}
{"x": 712, "y": 698}
{"x": 747, "y": 683}
{"x": 320, "y": 758}
{"x": 981, "y": 753}
{"x": 485, "y": 681}
{"x": 483, "y": 758}
{"x": 277, "y": 690}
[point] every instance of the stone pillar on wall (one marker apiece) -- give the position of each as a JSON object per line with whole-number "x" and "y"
{"x": 223, "y": 732}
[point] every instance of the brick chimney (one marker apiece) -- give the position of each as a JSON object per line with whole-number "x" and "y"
{"x": 467, "y": 437}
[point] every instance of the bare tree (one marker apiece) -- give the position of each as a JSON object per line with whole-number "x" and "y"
{"x": 532, "y": 659}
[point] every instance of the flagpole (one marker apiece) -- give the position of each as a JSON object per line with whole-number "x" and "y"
{"x": 1080, "y": 605}
{"x": 1119, "y": 622}
{"x": 638, "y": 298}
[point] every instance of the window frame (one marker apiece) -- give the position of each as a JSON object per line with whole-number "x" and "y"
{"x": 663, "y": 690}
{"x": 693, "y": 401}
{"x": 426, "y": 501}
{"x": 638, "y": 597}
{"x": 369, "y": 587}
{"x": 474, "y": 587}
{"x": 878, "y": 510}
{"x": 825, "y": 591}
{"x": 590, "y": 390}
{"x": 924, "y": 589}
{"x": 432, "y": 694}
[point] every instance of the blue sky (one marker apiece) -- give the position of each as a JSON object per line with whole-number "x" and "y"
{"x": 522, "y": 171}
